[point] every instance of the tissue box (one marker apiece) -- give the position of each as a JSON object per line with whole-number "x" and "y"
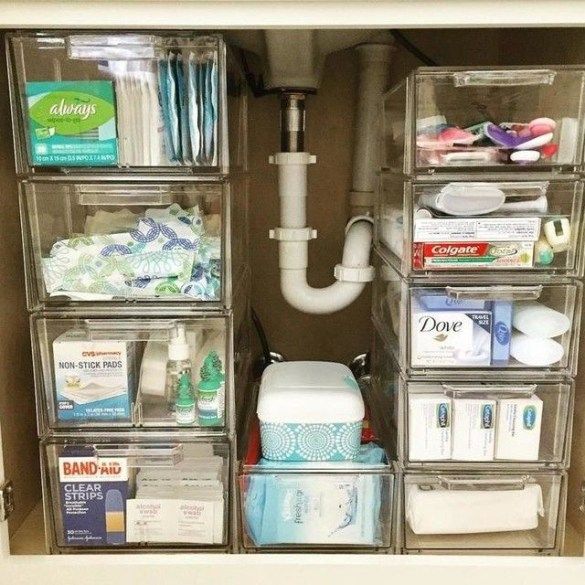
{"x": 310, "y": 411}
{"x": 94, "y": 380}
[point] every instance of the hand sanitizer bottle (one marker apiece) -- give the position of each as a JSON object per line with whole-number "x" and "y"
{"x": 185, "y": 405}
{"x": 179, "y": 363}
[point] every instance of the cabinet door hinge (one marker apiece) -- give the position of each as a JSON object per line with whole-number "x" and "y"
{"x": 6, "y": 500}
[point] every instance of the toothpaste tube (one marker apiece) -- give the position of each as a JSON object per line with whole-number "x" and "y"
{"x": 465, "y": 254}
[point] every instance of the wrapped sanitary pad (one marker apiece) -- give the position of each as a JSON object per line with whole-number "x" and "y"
{"x": 167, "y": 253}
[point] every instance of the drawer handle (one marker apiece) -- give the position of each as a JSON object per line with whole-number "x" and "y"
{"x": 503, "y": 78}
{"x": 104, "y": 48}
{"x": 162, "y": 455}
{"x": 515, "y": 390}
{"x": 122, "y": 197}
{"x": 483, "y": 484}
{"x": 512, "y": 293}
{"x": 128, "y": 330}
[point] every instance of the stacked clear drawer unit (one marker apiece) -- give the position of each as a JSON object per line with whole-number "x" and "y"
{"x": 477, "y": 303}
{"x": 318, "y": 506}
{"x": 131, "y": 156}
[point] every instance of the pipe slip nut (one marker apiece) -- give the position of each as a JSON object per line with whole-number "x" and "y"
{"x": 354, "y": 274}
{"x": 293, "y": 234}
{"x": 292, "y": 158}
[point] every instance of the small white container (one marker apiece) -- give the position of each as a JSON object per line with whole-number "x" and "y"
{"x": 310, "y": 411}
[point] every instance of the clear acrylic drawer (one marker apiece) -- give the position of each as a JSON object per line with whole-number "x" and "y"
{"x": 505, "y": 512}
{"x": 424, "y": 228}
{"x": 524, "y": 330}
{"x": 113, "y": 243}
{"x": 138, "y": 102}
{"x": 322, "y": 506}
{"x": 112, "y": 493}
{"x": 133, "y": 372}
{"x": 450, "y": 119}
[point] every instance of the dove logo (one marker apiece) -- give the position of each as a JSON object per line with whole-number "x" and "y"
{"x": 428, "y": 324}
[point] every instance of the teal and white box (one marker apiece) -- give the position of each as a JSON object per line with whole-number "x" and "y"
{"x": 72, "y": 123}
{"x": 95, "y": 380}
{"x": 310, "y": 411}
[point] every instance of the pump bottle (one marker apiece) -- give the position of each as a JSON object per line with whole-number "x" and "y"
{"x": 178, "y": 364}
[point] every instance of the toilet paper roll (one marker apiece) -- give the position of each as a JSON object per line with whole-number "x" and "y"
{"x": 537, "y": 320}
{"x": 535, "y": 351}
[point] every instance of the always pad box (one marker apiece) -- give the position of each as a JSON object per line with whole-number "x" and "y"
{"x": 94, "y": 380}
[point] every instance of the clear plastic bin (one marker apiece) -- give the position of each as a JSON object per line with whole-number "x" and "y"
{"x": 315, "y": 506}
{"x": 112, "y": 373}
{"x": 142, "y": 102}
{"x": 113, "y": 493}
{"x": 119, "y": 244}
{"x": 505, "y": 512}
{"x": 525, "y": 330}
{"x": 465, "y": 423}
{"x": 448, "y": 119}
{"x": 425, "y": 228}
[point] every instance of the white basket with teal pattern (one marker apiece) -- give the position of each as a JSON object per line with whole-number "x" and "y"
{"x": 310, "y": 411}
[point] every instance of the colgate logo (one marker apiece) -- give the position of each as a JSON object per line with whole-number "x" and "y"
{"x": 457, "y": 250}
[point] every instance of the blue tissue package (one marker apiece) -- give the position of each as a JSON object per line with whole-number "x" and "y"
{"x": 93, "y": 492}
{"x": 305, "y": 508}
{"x": 501, "y": 332}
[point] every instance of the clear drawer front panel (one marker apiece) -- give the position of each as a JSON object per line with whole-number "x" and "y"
{"x": 134, "y": 101}
{"x": 442, "y": 119}
{"x": 140, "y": 372}
{"x": 530, "y": 227}
{"x": 116, "y": 243}
{"x": 507, "y": 512}
{"x": 112, "y": 494}
{"x": 339, "y": 505}
{"x": 527, "y": 328}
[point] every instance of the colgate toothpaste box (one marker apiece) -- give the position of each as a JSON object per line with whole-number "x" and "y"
{"x": 93, "y": 493}
{"x": 471, "y": 254}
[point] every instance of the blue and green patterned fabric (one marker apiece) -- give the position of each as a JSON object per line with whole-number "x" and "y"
{"x": 168, "y": 253}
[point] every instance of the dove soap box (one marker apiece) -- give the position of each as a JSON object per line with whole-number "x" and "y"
{"x": 94, "y": 379}
{"x": 450, "y": 336}
{"x": 72, "y": 123}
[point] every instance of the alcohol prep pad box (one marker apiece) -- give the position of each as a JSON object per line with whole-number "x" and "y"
{"x": 94, "y": 380}
{"x": 72, "y": 123}
{"x": 93, "y": 492}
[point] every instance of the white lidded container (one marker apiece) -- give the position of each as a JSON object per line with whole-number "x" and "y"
{"x": 310, "y": 411}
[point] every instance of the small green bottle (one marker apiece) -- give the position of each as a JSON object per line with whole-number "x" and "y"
{"x": 209, "y": 390}
{"x": 185, "y": 404}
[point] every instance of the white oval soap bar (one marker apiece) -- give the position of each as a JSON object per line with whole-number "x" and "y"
{"x": 535, "y": 351}
{"x": 537, "y": 320}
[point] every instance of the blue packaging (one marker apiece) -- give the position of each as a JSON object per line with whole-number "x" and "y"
{"x": 93, "y": 493}
{"x": 432, "y": 302}
{"x": 501, "y": 332}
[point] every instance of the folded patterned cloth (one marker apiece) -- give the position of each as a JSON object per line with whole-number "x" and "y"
{"x": 168, "y": 253}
